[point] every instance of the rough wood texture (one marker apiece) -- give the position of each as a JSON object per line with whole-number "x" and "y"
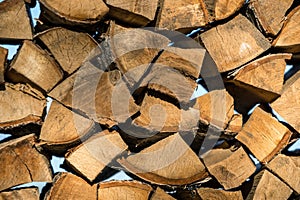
{"x": 169, "y": 161}
{"x": 3, "y": 57}
{"x": 12, "y": 29}
{"x": 287, "y": 168}
{"x": 21, "y": 194}
{"x": 63, "y": 127}
{"x": 133, "y": 12}
{"x": 263, "y": 135}
{"x": 234, "y": 43}
{"x": 21, "y": 104}
{"x": 91, "y": 157}
{"x": 222, "y": 9}
{"x": 288, "y": 39}
{"x": 69, "y": 48}
{"x": 288, "y": 105}
{"x": 270, "y": 14}
{"x": 22, "y": 163}
{"x": 268, "y": 186}
{"x": 78, "y": 13}
{"x": 33, "y": 64}
{"x": 209, "y": 193}
{"x": 230, "y": 168}
{"x": 159, "y": 194}
{"x": 68, "y": 186}
{"x": 123, "y": 190}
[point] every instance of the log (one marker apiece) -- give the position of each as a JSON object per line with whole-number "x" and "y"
{"x": 216, "y": 194}
{"x": 169, "y": 161}
{"x": 219, "y": 10}
{"x": 123, "y": 190}
{"x": 78, "y": 14}
{"x": 3, "y": 57}
{"x": 63, "y": 128}
{"x": 21, "y": 194}
{"x": 230, "y": 168}
{"x": 235, "y": 125}
{"x": 267, "y": 185}
{"x": 234, "y": 43}
{"x": 288, "y": 104}
{"x": 34, "y": 65}
{"x": 69, "y": 186}
{"x": 287, "y": 168}
{"x": 160, "y": 194}
{"x": 288, "y": 39}
{"x": 22, "y": 105}
{"x": 263, "y": 135}
{"x": 99, "y": 151}
{"x": 22, "y": 163}
{"x": 13, "y": 30}
{"x": 270, "y": 14}
{"x": 69, "y": 48}
{"x": 133, "y": 12}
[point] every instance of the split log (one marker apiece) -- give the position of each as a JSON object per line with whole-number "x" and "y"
{"x": 234, "y": 43}
{"x": 63, "y": 128}
{"x": 123, "y": 190}
{"x": 69, "y": 48}
{"x": 133, "y": 12}
{"x": 216, "y": 194}
{"x": 267, "y": 185}
{"x": 20, "y": 105}
{"x": 263, "y": 135}
{"x": 160, "y": 194}
{"x": 270, "y": 14}
{"x": 169, "y": 161}
{"x": 12, "y": 29}
{"x": 115, "y": 29}
{"x": 287, "y": 168}
{"x": 22, "y": 163}
{"x": 3, "y": 57}
{"x": 235, "y": 125}
{"x": 77, "y": 13}
{"x": 99, "y": 151}
{"x": 34, "y": 65}
{"x": 288, "y": 39}
{"x": 21, "y": 194}
{"x": 287, "y": 106}
{"x": 69, "y": 186}
{"x": 230, "y": 168}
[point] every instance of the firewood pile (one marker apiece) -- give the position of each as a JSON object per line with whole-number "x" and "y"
{"x": 114, "y": 86}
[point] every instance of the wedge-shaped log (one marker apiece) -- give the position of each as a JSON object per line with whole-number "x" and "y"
{"x": 169, "y": 161}
{"x": 34, "y": 65}
{"x": 20, "y": 105}
{"x": 22, "y": 163}
{"x": 93, "y": 155}
{"x": 160, "y": 194}
{"x": 3, "y": 57}
{"x": 22, "y": 194}
{"x": 234, "y": 43}
{"x": 209, "y": 193}
{"x": 10, "y": 28}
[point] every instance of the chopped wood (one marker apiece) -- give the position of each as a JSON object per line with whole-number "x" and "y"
{"x": 287, "y": 106}
{"x": 3, "y": 57}
{"x": 133, "y": 12}
{"x": 222, "y": 9}
{"x": 230, "y": 168}
{"x": 69, "y": 186}
{"x": 235, "y": 125}
{"x": 267, "y": 185}
{"x": 21, "y": 105}
{"x": 169, "y": 161}
{"x": 287, "y": 168}
{"x": 21, "y": 194}
{"x": 12, "y": 29}
{"x": 123, "y": 190}
{"x": 34, "y": 65}
{"x": 160, "y": 194}
{"x": 62, "y": 127}
{"x": 217, "y": 194}
{"x": 270, "y": 14}
{"x": 234, "y": 43}
{"x": 77, "y": 13}
{"x": 91, "y": 157}
{"x": 22, "y": 163}
{"x": 69, "y": 48}
{"x": 115, "y": 28}
{"x": 263, "y": 135}
{"x": 288, "y": 39}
